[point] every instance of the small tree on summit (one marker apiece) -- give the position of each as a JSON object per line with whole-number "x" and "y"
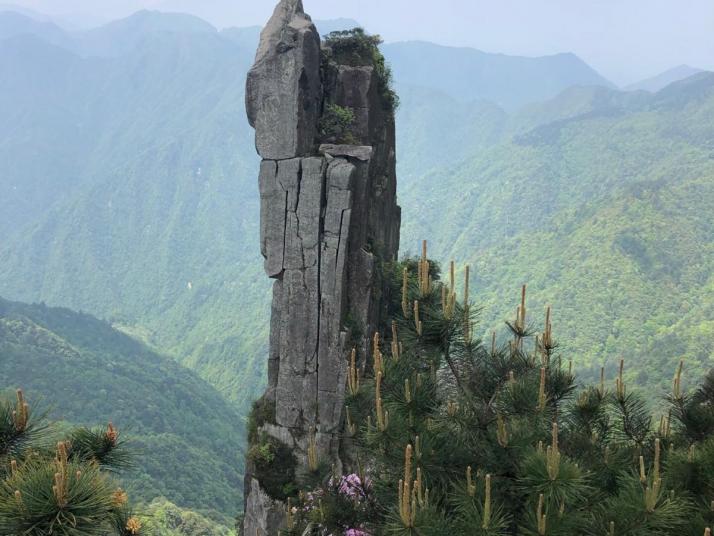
{"x": 357, "y": 47}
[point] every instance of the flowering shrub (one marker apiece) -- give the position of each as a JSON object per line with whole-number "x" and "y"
{"x": 342, "y": 507}
{"x": 351, "y": 486}
{"x": 356, "y": 532}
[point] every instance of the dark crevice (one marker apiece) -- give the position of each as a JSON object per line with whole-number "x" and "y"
{"x": 285, "y": 225}
{"x": 320, "y": 241}
{"x": 297, "y": 214}
{"x": 339, "y": 240}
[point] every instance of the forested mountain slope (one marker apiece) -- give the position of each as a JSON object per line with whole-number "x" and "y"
{"x": 150, "y": 184}
{"x": 606, "y": 214}
{"x": 187, "y": 439}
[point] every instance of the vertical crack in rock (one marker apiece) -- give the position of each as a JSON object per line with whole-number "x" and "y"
{"x": 285, "y": 233}
{"x": 339, "y": 240}
{"x": 328, "y": 221}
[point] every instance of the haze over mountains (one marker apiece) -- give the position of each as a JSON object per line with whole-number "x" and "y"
{"x": 624, "y": 41}
{"x": 129, "y": 191}
{"x": 664, "y": 79}
{"x": 468, "y": 74}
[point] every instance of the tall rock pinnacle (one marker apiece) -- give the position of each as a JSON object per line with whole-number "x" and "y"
{"x": 328, "y": 222}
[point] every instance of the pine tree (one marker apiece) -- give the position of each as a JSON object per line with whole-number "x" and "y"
{"x": 62, "y": 489}
{"x": 450, "y": 434}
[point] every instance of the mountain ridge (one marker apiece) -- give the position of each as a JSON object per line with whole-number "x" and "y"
{"x": 545, "y": 75}
{"x": 659, "y": 81}
{"x": 476, "y": 75}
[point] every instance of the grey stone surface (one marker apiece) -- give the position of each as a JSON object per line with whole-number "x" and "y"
{"x": 263, "y": 516}
{"x": 360, "y": 152}
{"x": 356, "y": 88}
{"x": 283, "y": 89}
{"x": 329, "y": 219}
{"x": 273, "y": 209}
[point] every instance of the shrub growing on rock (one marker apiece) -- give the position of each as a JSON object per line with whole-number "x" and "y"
{"x": 357, "y": 47}
{"x": 274, "y": 465}
{"x": 335, "y": 124}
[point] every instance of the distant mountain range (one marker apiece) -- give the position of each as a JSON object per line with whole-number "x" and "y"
{"x": 141, "y": 121}
{"x": 662, "y": 80}
{"x": 13, "y": 23}
{"x": 464, "y": 73}
{"x": 14, "y": 8}
{"x": 468, "y": 74}
{"x": 600, "y": 201}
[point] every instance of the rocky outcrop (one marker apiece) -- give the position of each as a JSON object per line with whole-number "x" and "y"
{"x": 283, "y": 92}
{"x": 329, "y": 221}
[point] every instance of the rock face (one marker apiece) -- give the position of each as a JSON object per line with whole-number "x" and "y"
{"x": 329, "y": 220}
{"x": 283, "y": 93}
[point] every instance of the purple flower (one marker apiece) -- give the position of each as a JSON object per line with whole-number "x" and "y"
{"x": 312, "y": 498}
{"x": 356, "y": 532}
{"x": 351, "y": 486}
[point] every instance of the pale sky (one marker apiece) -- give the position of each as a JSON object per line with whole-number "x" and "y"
{"x": 625, "y": 40}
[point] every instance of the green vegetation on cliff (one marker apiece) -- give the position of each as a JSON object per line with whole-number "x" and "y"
{"x": 357, "y": 47}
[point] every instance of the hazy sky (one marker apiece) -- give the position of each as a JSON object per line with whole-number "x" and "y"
{"x": 625, "y": 40}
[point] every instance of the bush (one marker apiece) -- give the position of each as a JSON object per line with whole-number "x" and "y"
{"x": 356, "y": 47}
{"x": 335, "y": 124}
{"x": 274, "y": 466}
{"x": 262, "y": 411}
{"x": 353, "y": 47}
